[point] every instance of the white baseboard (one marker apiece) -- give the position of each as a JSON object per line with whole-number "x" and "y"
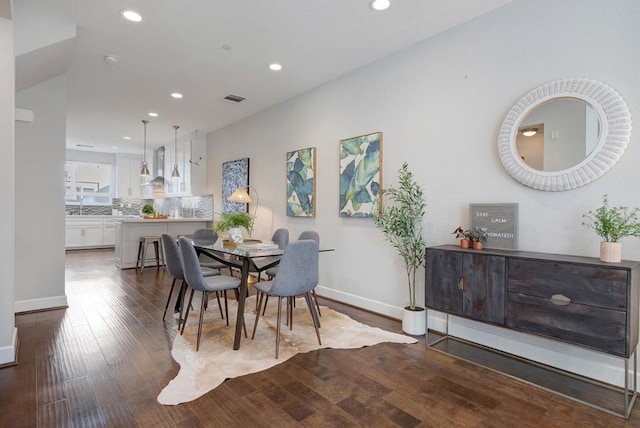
{"x": 8, "y": 353}
{"x": 40, "y": 304}
{"x": 361, "y": 302}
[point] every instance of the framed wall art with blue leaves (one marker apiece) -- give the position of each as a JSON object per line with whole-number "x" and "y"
{"x": 301, "y": 183}
{"x": 360, "y": 175}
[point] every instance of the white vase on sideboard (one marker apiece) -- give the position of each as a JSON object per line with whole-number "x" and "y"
{"x": 611, "y": 252}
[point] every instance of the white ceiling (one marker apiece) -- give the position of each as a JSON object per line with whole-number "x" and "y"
{"x": 179, "y": 48}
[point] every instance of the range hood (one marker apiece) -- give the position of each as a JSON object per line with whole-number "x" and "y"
{"x": 158, "y": 168}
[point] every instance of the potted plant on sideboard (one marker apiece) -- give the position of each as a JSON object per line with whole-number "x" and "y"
{"x": 463, "y": 235}
{"x": 478, "y": 237}
{"x": 612, "y": 224}
{"x": 232, "y": 223}
{"x": 401, "y": 224}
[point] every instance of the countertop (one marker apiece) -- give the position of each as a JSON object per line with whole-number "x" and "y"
{"x": 137, "y": 219}
{"x": 159, "y": 220}
{"x": 100, "y": 216}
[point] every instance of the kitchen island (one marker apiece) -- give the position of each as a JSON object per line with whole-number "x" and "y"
{"x": 129, "y": 231}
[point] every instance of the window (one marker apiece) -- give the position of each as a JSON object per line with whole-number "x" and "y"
{"x": 87, "y": 183}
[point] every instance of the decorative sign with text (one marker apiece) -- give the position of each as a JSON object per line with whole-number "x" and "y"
{"x": 500, "y": 223}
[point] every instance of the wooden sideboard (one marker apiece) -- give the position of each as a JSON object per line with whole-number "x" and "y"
{"x": 577, "y": 300}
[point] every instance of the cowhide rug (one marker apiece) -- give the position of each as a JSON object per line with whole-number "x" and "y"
{"x": 202, "y": 371}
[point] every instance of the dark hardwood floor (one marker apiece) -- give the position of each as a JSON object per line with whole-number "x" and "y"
{"x": 103, "y": 361}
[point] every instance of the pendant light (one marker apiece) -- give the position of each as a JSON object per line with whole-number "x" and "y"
{"x": 175, "y": 173}
{"x": 144, "y": 171}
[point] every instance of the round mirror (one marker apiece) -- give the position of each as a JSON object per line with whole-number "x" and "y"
{"x": 564, "y": 134}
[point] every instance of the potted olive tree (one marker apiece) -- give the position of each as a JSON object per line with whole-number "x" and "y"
{"x": 612, "y": 224}
{"x": 400, "y": 221}
{"x": 232, "y": 222}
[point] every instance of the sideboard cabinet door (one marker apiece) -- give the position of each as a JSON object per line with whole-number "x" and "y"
{"x": 468, "y": 284}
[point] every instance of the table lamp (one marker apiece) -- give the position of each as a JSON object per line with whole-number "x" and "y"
{"x": 241, "y": 196}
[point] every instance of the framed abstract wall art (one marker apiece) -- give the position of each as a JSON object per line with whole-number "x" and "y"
{"x": 234, "y": 174}
{"x": 301, "y": 183}
{"x": 360, "y": 175}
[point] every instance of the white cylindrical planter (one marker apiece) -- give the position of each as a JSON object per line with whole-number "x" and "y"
{"x": 414, "y": 322}
{"x": 235, "y": 235}
{"x": 611, "y": 252}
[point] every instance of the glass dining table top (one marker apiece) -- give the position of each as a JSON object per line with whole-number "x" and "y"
{"x": 248, "y": 250}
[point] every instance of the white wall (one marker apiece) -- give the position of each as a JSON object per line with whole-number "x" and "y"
{"x": 440, "y": 105}
{"x": 40, "y": 27}
{"x": 7, "y": 190}
{"x": 92, "y": 157}
{"x": 40, "y": 152}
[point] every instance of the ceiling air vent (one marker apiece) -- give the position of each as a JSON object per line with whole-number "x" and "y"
{"x": 87, "y": 146}
{"x": 233, "y": 98}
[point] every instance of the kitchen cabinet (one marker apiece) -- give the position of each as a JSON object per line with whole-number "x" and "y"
{"x": 90, "y": 231}
{"x": 128, "y": 179}
{"x": 109, "y": 232}
{"x": 180, "y": 186}
{"x": 190, "y": 159}
{"x": 83, "y": 232}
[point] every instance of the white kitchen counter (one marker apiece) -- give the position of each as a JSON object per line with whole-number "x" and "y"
{"x": 129, "y": 231}
{"x": 98, "y": 216}
{"x": 160, "y": 220}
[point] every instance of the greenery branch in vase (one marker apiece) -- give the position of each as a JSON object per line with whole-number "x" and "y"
{"x": 612, "y": 224}
{"x": 232, "y": 222}
{"x": 401, "y": 224}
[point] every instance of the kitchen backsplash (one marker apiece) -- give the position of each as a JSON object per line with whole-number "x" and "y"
{"x": 184, "y": 207}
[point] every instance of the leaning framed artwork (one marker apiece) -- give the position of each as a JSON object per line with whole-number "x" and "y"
{"x": 499, "y": 222}
{"x": 301, "y": 183}
{"x": 234, "y": 174}
{"x": 360, "y": 175}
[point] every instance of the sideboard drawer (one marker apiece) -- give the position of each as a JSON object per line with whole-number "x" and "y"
{"x": 598, "y": 328}
{"x": 602, "y": 287}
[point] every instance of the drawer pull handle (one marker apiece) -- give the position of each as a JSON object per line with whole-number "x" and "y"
{"x": 461, "y": 283}
{"x": 560, "y": 300}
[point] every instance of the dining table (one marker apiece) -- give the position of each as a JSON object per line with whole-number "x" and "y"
{"x": 250, "y": 256}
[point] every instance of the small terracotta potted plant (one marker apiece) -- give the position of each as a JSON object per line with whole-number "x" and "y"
{"x": 463, "y": 235}
{"x": 478, "y": 238}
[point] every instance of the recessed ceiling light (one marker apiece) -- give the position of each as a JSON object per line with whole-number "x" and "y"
{"x": 275, "y": 67}
{"x": 152, "y": 114}
{"x": 177, "y": 95}
{"x": 126, "y": 138}
{"x": 131, "y": 15}
{"x": 379, "y": 4}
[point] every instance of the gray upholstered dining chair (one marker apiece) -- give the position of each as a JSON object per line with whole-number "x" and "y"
{"x": 208, "y": 237}
{"x": 298, "y": 275}
{"x": 206, "y": 285}
{"x": 173, "y": 261}
{"x": 310, "y": 234}
{"x": 271, "y": 273}
{"x": 280, "y": 237}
